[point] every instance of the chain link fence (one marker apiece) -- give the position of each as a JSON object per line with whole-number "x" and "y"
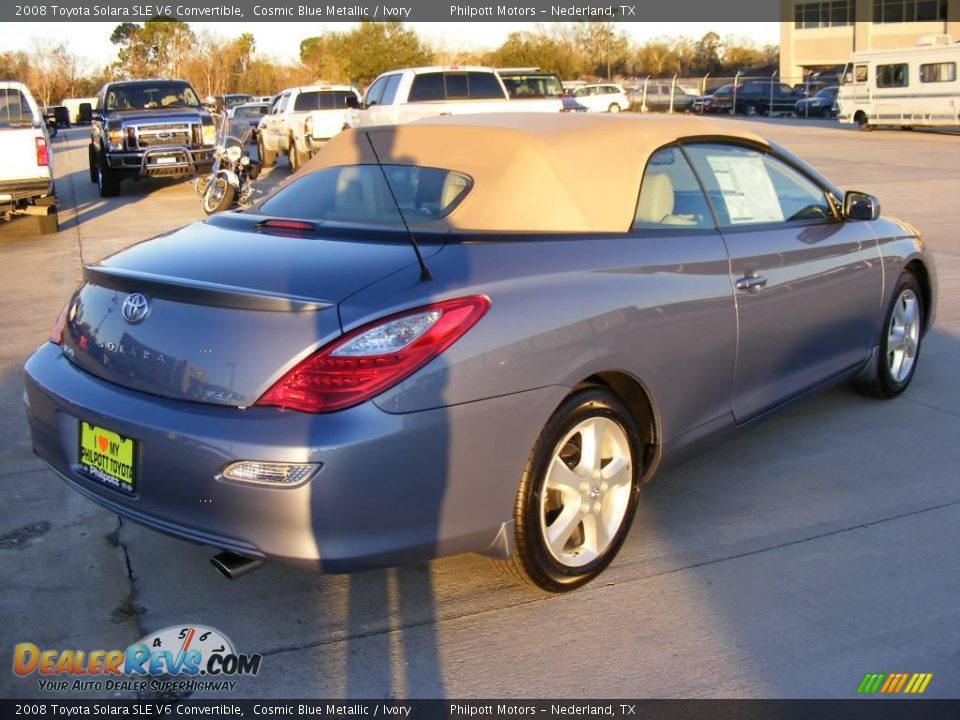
{"x": 740, "y": 94}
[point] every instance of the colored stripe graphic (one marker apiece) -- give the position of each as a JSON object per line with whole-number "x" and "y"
{"x": 871, "y": 682}
{"x": 894, "y": 683}
{"x": 918, "y": 683}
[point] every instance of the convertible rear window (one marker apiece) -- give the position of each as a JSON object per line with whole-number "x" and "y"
{"x": 360, "y": 193}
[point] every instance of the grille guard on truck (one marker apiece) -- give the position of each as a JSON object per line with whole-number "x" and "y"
{"x": 186, "y": 161}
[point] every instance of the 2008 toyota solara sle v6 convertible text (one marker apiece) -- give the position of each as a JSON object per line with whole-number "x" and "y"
{"x": 469, "y": 334}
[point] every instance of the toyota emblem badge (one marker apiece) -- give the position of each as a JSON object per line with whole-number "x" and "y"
{"x": 135, "y": 308}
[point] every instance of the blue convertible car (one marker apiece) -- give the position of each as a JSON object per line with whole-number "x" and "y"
{"x": 469, "y": 334}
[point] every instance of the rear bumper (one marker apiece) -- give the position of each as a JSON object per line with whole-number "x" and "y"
{"x": 392, "y": 488}
{"x": 12, "y": 191}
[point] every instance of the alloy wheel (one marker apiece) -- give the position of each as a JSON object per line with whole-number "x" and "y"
{"x": 903, "y": 335}
{"x": 587, "y": 491}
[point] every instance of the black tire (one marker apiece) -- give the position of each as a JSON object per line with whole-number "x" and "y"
{"x": 863, "y": 122}
{"x": 48, "y": 224}
{"x": 828, "y": 114}
{"x": 218, "y": 196}
{"x": 884, "y": 385}
{"x": 268, "y": 158}
{"x": 614, "y": 108}
{"x": 531, "y": 562}
{"x": 297, "y": 159}
{"x": 751, "y": 110}
{"x": 92, "y": 160}
{"x": 107, "y": 181}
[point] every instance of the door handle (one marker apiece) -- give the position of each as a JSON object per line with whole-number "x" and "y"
{"x": 752, "y": 283}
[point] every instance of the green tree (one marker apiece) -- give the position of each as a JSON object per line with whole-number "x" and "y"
{"x": 159, "y": 47}
{"x": 605, "y": 48}
{"x": 366, "y": 51}
{"x": 706, "y": 54}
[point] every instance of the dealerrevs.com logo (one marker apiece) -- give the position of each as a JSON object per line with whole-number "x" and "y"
{"x": 176, "y": 659}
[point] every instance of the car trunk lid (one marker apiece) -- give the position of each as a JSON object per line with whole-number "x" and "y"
{"x": 228, "y": 307}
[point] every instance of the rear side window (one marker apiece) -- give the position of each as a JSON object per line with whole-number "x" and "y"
{"x": 748, "y": 187}
{"x": 360, "y": 194}
{"x": 322, "y": 100}
{"x": 427, "y": 87}
{"x": 14, "y": 109}
{"x": 484, "y": 86}
{"x": 938, "y": 72}
{"x": 670, "y": 196}
{"x": 892, "y": 76}
{"x": 455, "y": 86}
{"x": 306, "y": 101}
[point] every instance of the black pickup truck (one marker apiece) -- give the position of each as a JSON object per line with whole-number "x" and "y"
{"x": 148, "y": 128}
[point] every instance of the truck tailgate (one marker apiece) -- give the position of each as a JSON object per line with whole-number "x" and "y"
{"x": 18, "y": 148}
{"x": 325, "y": 124}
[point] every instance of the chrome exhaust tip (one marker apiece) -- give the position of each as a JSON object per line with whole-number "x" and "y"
{"x": 233, "y": 566}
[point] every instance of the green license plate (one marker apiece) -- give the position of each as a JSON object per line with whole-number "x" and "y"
{"x": 107, "y": 457}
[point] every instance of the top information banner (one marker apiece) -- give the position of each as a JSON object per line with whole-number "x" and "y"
{"x": 542, "y": 11}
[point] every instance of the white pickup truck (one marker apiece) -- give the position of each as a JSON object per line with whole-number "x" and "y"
{"x": 402, "y": 96}
{"x": 26, "y": 159}
{"x": 301, "y": 120}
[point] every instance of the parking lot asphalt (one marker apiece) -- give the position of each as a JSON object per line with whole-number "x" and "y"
{"x": 788, "y": 561}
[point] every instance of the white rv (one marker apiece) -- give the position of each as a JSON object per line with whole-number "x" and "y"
{"x": 909, "y": 87}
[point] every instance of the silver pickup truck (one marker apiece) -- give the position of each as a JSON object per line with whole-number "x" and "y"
{"x": 302, "y": 120}
{"x": 26, "y": 171}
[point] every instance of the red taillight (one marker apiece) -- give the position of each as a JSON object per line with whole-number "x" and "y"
{"x": 43, "y": 153}
{"x": 350, "y": 371}
{"x": 56, "y": 335}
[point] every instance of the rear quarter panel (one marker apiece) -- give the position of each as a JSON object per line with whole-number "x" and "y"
{"x": 660, "y": 309}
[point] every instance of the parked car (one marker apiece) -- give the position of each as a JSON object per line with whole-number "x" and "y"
{"x": 252, "y": 112}
{"x": 756, "y": 97}
{"x": 823, "y": 104}
{"x": 223, "y": 103}
{"x": 656, "y": 97}
{"x": 26, "y": 173}
{"x": 811, "y": 86}
{"x": 301, "y": 120}
{"x": 421, "y": 345}
{"x": 701, "y": 103}
{"x": 725, "y": 94}
{"x": 602, "y": 98}
{"x": 148, "y": 128}
{"x": 402, "y": 96}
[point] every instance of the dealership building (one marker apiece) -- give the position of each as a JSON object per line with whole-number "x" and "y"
{"x": 816, "y": 36}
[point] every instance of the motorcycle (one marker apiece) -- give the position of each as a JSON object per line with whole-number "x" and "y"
{"x": 230, "y": 180}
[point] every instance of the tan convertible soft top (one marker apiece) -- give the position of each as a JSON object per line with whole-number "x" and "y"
{"x": 532, "y": 172}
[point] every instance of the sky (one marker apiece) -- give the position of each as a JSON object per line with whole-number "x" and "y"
{"x": 282, "y": 40}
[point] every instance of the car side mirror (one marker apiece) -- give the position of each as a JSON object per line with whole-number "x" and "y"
{"x": 860, "y": 206}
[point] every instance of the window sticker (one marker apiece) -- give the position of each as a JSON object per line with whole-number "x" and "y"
{"x": 748, "y": 192}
